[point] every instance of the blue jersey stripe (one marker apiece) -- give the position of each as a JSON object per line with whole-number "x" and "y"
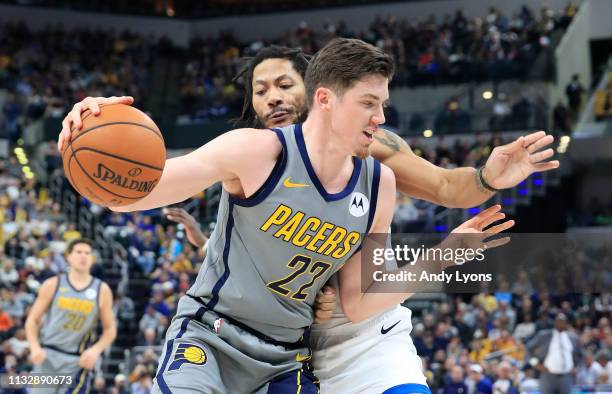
{"x": 228, "y": 235}
{"x": 374, "y": 194}
{"x": 160, "y": 375}
{"x": 299, "y": 139}
{"x": 268, "y": 186}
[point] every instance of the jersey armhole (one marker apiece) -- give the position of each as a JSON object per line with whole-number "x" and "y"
{"x": 374, "y": 194}
{"x": 57, "y": 285}
{"x": 272, "y": 180}
{"x": 98, "y": 293}
{"x": 373, "y": 202}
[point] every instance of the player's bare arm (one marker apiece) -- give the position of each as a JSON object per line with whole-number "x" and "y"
{"x": 507, "y": 166}
{"x": 358, "y": 306}
{"x": 109, "y": 329}
{"x": 38, "y": 310}
{"x": 192, "y": 228}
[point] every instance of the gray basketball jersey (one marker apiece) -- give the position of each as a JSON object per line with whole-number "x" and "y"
{"x": 271, "y": 253}
{"x": 71, "y": 320}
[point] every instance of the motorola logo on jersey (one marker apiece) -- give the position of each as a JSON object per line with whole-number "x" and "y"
{"x": 359, "y": 204}
{"x": 186, "y": 353}
{"x": 91, "y": 294}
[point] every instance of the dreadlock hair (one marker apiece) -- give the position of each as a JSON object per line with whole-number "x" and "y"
{"x": 245, "y": 74}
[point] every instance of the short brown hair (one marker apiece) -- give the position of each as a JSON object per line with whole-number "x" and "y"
{"x": 77, "y": 241}
{"x": 342, "y": 63}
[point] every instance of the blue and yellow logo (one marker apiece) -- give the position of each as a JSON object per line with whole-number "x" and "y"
{"x": 187, "y": 353}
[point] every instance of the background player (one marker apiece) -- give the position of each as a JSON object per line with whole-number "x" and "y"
{"x": 276, "y": 97}
{"x": 71, "y": 304}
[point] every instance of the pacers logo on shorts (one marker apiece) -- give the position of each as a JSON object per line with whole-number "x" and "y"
{"x": 188, "y": 353}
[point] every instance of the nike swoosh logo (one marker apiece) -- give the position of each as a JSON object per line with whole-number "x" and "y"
{"x": 300, "y": 358}
{"x": 384, "y": 330}
{"x": 287, "y": 183}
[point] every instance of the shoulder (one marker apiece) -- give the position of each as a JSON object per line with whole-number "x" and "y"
{"x": 106, "y": 294}
{"x": 250, "y": 143}
{"x": 49, "y": 285}
{"x": 264, "y": 139}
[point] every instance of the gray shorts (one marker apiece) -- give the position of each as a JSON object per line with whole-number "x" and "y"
{"x": 58, "y": 363}
{"x": 197, "y": 358}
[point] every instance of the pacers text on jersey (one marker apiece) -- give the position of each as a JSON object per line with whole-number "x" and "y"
{"x": 310, "y": 233}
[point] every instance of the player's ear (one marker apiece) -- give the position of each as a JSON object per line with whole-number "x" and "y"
{"x": 323, "y": 97}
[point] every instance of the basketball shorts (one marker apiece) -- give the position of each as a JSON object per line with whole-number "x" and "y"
{"x": 374, "y": 356}
{"x": 63, "y": 364}
{"x": 206, "y": 353}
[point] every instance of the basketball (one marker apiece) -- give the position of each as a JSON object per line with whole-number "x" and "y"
{"x": 116, "y": 158}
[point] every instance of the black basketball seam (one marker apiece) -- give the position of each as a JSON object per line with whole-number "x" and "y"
{"x": 102, "y": 187}
{"x": 119, "y": 157}
{"x": 115, "y": 123}
{"x": 70, "y": 171}
{"x": 91, "y": 113}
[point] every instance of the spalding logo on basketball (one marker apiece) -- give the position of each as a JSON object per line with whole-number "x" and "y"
{"x": 117, "y": 158}
{"x": 108, "y": 176}
{"x": 359, "y": 204}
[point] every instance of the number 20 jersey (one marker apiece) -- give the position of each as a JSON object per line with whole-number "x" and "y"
{"x": 271, "y": 253}
{"x": 72, "y": 318}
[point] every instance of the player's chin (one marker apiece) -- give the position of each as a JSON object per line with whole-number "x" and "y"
{"x": 363, "y": 152}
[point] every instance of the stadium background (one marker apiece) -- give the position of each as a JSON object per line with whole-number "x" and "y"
{"x": 472, "y": 74}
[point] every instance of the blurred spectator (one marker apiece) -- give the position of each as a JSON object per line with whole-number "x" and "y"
{"x": 8, "y": 274}
{"x": 120, "y": 382}
{"x": 6, "y": 323}
{"x": 504, "y": 384}
{"x": 574, "y": 91}
{"x": 561, "y": 119}
{"x": 588, "y": 372}
{"x": 12, "y": 110}
{"x": 501, "y": 113}
{"x": 456, "y": 384}
{"x": 99, "y": 385}
{"x": 19, "y": 344}
{"x": 150, "y": 319}
{"x": 481, "y": 383}
{"x": 71, "y": 233}
{"x": 558, "y": 351}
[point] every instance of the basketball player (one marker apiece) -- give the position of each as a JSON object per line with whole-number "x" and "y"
{"x": 274, "y": 82}
{"x": 71, "y": 303}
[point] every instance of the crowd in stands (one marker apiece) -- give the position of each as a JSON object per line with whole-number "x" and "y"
{"x": 452, "y": 49}
{"x": 47, "y": 71}
{"x": 33, "y": 235}
{"x": 483, "y": 344}
{"x": 417, "y": 215}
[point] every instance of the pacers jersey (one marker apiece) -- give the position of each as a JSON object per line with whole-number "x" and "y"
{"x": 71, "y": 320}
{"x": 271, "y": 253}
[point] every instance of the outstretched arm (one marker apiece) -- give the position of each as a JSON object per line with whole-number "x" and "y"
{"x": 359, "y": 305}
{"x": 227, "y": 158}
{"x": 507, "y": 166}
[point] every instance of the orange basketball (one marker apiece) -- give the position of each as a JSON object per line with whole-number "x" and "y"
{"x": 116, "y": 158}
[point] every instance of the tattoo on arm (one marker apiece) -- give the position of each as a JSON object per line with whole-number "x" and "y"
{"x": 389, "y": 140}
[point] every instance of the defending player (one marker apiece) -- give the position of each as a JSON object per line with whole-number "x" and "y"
{"x": 275, "y": 88}
{"x": 63, "y": 344}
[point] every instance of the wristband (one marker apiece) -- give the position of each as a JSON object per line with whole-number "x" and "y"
{"x": 484, "y": 183}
